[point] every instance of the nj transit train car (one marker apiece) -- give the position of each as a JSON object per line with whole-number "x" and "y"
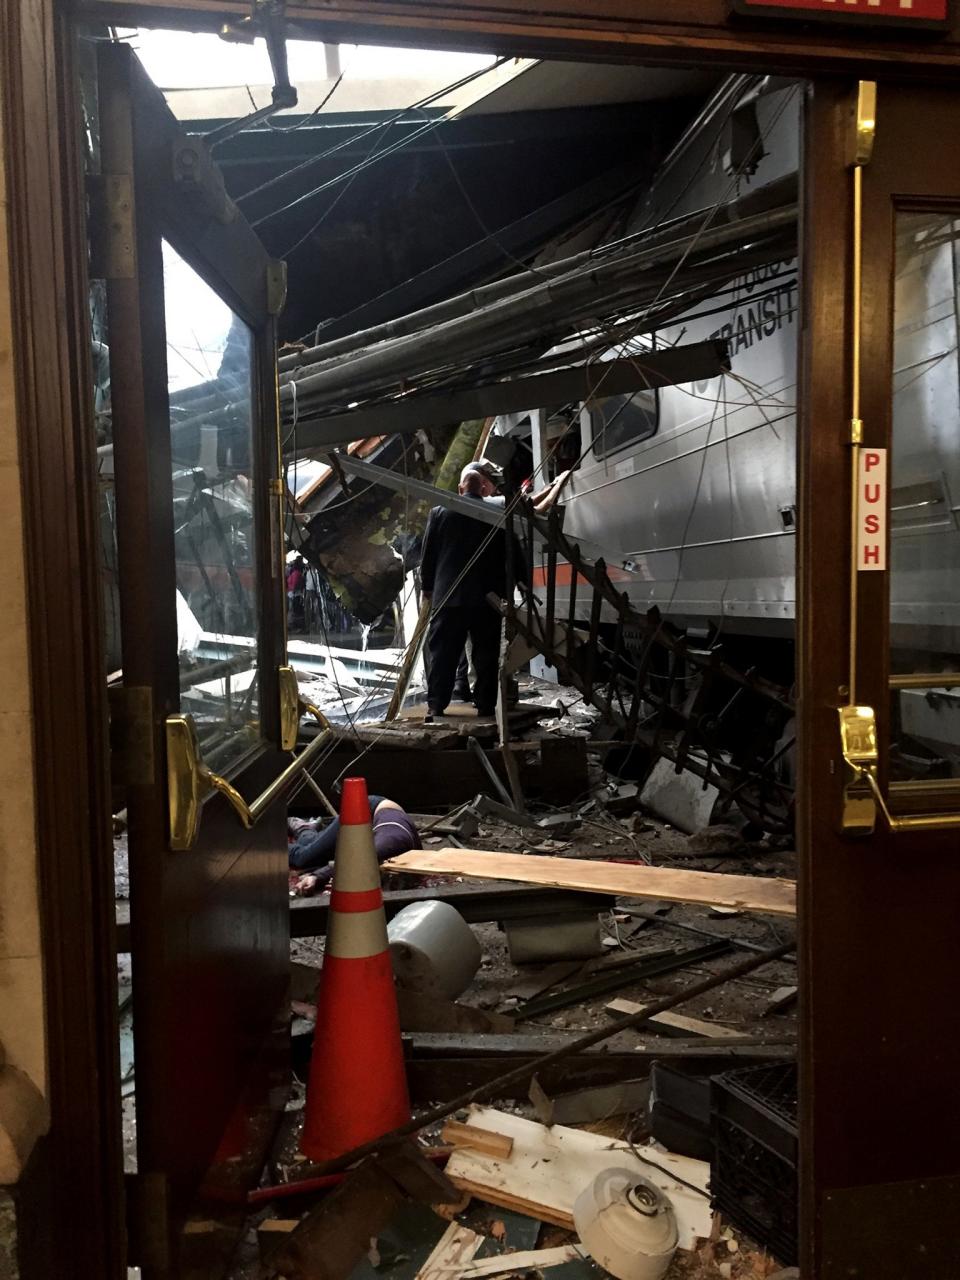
{"x": 690, "y": 491}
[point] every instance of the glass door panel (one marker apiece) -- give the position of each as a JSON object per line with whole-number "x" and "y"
{"x": 210, "y": 386}
{"x": 925, "y": 500}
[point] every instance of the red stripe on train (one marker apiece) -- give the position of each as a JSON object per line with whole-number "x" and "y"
{"x": 565, "y": 576}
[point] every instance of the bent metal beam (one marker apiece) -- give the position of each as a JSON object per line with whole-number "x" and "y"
{"x": 692, "y": 363}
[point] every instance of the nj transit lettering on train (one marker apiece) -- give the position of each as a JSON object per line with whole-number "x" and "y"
{"x": 773, "y": 308}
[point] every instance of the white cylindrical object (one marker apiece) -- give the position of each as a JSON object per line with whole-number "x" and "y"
{"x": 434, "y": 950}
{"x": 627, "y": 1225}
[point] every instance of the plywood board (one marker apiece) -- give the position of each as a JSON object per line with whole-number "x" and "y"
{"x": 674, "y": 1023}
{"x": 766, "y": 895}
{"x": 456, "y": 1247}
{"x": 548, "y": 1169}
{"x": 526, "y": 1260}
{"x": 467, "y": 1135}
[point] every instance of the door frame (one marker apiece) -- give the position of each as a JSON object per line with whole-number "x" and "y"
{"x": 209, "y": 924}
{"x": 857, "y": 893}
{"x": 74, "y": 1177}
{"x": 78, "y": 1163}
{"x": 693, "y": 33}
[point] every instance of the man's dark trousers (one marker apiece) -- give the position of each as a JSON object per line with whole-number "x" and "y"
{"x": 449, "y": 628}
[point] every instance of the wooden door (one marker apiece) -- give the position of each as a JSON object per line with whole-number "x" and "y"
{"x": 191, "y": 309}
{"x": 880, "y": 946}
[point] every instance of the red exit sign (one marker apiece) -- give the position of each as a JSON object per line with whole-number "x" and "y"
{"x": 908, "y": 13}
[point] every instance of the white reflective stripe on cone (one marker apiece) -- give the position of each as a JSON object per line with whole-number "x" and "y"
{"x": 356, "y": 935}
{"x": 355, "y": 867}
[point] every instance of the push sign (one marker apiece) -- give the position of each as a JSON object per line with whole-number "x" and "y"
{"x": 872, "y": 510}
{"x": 907, "y": 13}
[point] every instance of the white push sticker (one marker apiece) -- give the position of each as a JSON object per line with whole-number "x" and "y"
{"x": 872, "y": 510}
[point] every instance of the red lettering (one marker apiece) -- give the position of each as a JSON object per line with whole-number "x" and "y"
{"x": 871, "y": 555}
{"x": 871, "y": 524}
{"x": 871, "y": 460}
{"x": 871, "y": 493}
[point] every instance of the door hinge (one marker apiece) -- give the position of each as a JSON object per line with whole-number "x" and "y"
{"x": 199, "y": 180}
{"x": 148, "y": 1243}
{"x": 112, "y": 242}
{"x": 132, "y": 759}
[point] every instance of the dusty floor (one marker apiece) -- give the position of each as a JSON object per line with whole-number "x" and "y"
{"x": 612, "y": 829}
{"x": 740, "y": 1006}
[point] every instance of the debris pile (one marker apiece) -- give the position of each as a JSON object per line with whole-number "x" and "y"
{"x": 577, "y": 980}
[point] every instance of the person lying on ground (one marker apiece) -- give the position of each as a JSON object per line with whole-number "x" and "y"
{"x": 312, "y": 851}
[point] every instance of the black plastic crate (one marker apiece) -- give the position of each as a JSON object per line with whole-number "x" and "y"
{"x": 753, "y": 1173}
{"x": 679, "y": 1111}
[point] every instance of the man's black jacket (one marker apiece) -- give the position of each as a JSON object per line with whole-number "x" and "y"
{"x": 451, "y": 542}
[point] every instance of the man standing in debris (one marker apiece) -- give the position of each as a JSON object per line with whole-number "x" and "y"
{"x": 463, "y": 560}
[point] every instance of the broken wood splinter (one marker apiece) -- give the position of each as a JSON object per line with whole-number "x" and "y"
{"x": 485, "y": 1140}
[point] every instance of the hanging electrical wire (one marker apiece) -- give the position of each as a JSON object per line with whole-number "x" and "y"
{"x": 313, "y": 161}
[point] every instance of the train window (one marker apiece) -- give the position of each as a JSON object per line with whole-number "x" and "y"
{"x": 622, "y": 420}
{"x": 925, "y": 502}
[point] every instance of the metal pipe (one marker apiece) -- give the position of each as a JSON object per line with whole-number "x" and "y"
{"x": 214, "y": 670}
{"x": 927, "y": 680}
{"x": 612, "y": 283}
{"x": 782, "y": 193}
{"x": 289, "y": 775}
{"x": 541, "y": 312}
{"x": 311, "y": 783}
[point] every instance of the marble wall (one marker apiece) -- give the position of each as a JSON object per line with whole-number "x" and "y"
{"x": 22, "y": 1024}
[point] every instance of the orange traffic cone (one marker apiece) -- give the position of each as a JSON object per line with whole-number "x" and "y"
{"x": 357, "y": 1088}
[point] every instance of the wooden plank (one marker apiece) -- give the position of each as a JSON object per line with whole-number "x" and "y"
{"x": 456, "y": 1246}
{"x": 674, "y": 1023}
{"x": 780, "y": 1001}
{"x": 526, "y": 1260}
{"x": 768, "y": 896}
{"x": 544, "y": 979}
{"x": 550, "y": 1167}
{"x": 505, "y": 1199}
{"x": 485, "y": 1140}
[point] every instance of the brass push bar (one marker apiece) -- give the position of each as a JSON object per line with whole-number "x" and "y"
{"x": 190, "y": 781}
{"x": 927, "y": 680}
{"x": 863, "y": 795}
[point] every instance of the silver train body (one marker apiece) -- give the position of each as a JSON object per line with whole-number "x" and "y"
{"x": 696, "y": 513}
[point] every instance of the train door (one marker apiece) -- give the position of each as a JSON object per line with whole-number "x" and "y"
{"x": 880, "y": 683}
{"x": 191, "y": 302}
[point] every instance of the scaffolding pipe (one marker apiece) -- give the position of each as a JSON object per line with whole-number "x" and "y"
{"x": 517, "y": 319}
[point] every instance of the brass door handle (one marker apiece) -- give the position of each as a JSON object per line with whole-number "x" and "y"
{"x": 190, "y": 781}
{"x": 292, "y": 707}
{"x": 862, "y": 793}
{"x": 318, "y": 715}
